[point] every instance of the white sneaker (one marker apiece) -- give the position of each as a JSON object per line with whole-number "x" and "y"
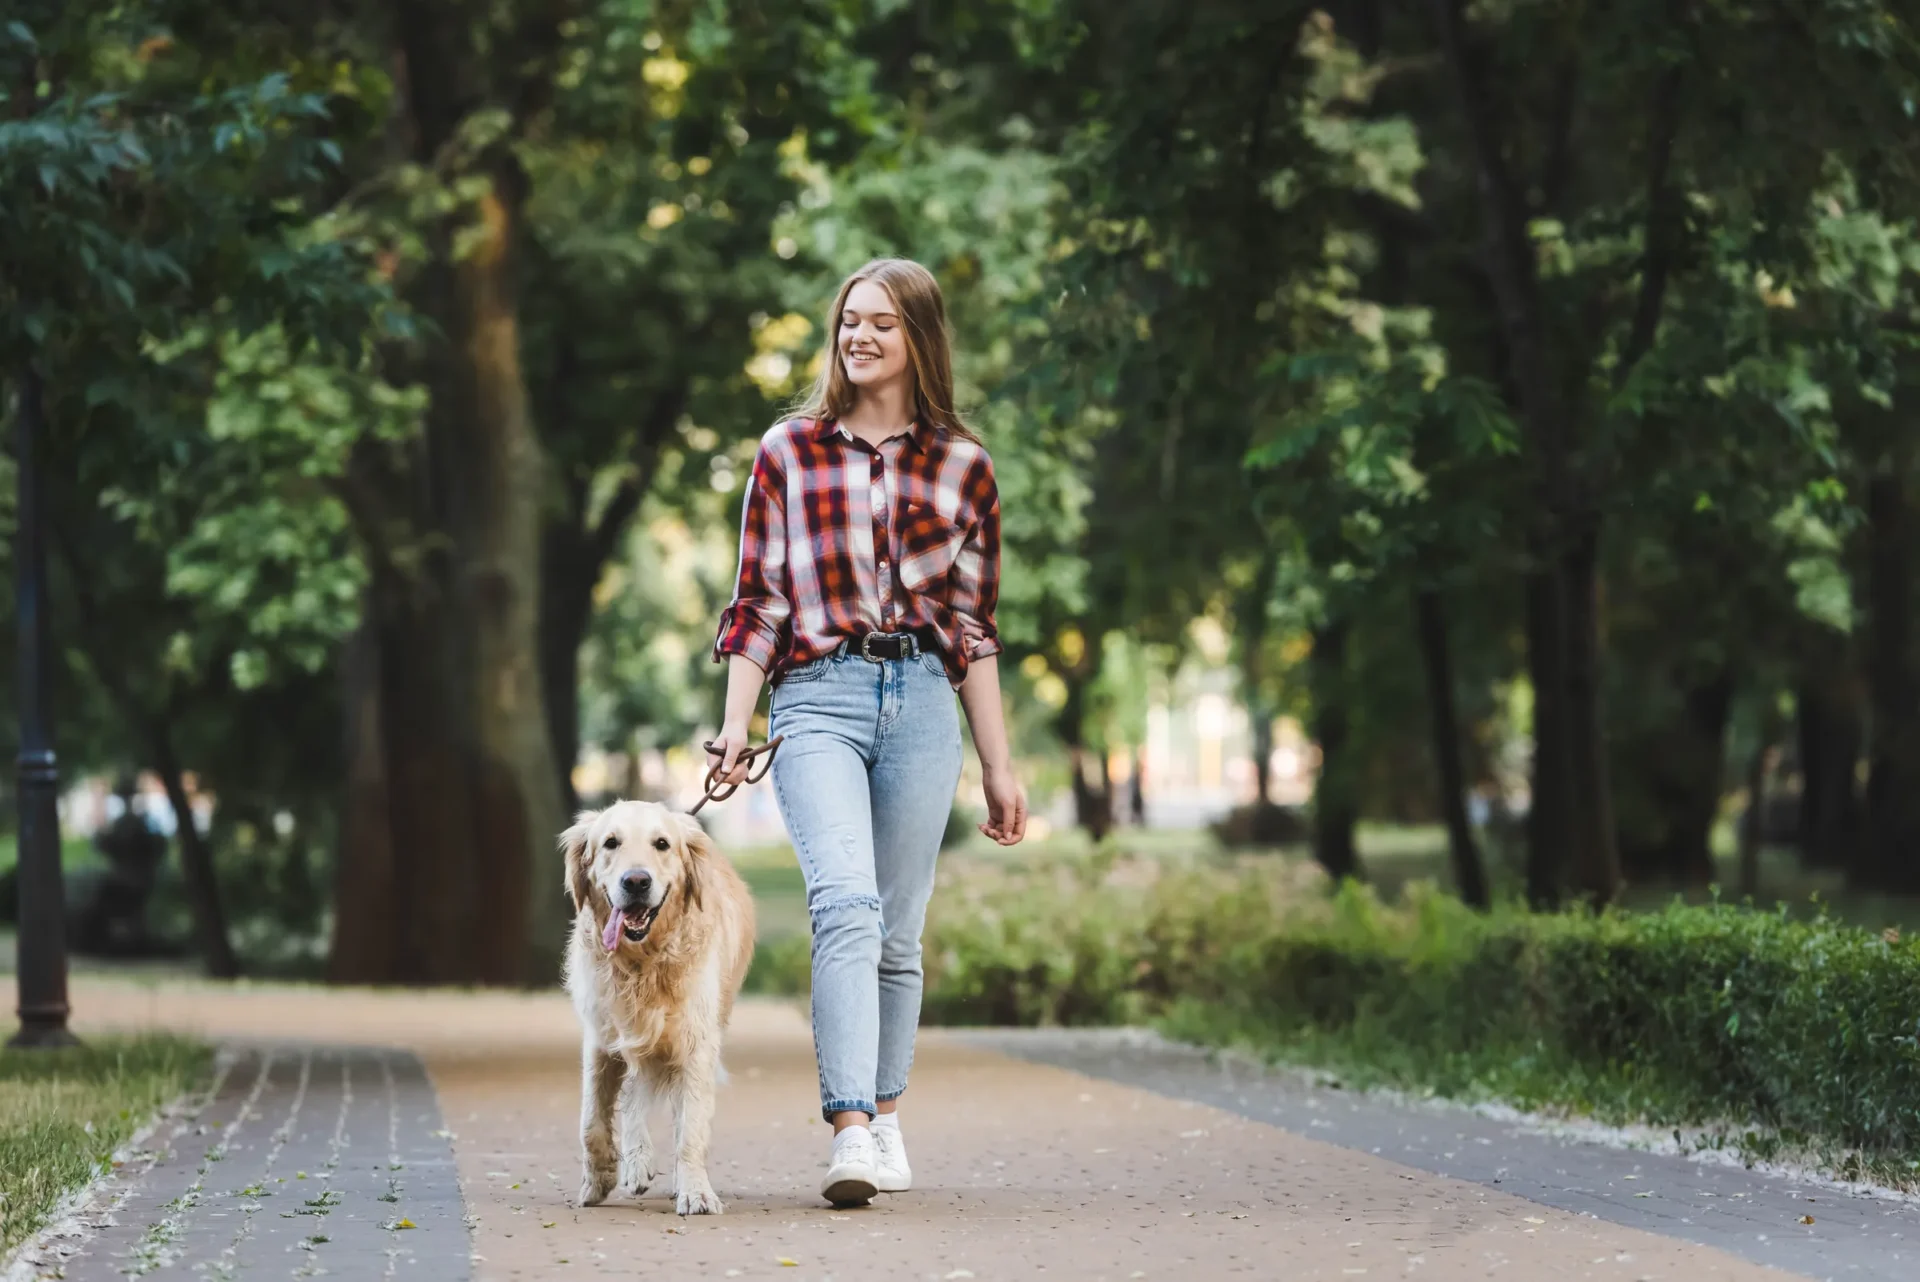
{"x": 892, "y": 1174}
{"x": 851, "y": 1175}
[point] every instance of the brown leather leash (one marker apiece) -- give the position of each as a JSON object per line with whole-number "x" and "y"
{"x": 720, "y": 791}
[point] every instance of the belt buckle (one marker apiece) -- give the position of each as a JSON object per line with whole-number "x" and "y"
{"x": 866, "y": 648}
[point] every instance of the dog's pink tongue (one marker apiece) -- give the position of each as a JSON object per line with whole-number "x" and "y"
{"x": 611, "y": 935}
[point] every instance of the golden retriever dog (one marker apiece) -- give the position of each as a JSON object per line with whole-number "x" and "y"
{"x": 662, "y": 934}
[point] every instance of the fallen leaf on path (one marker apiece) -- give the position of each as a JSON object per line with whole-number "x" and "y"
{"x": 959, "y": 1273}
{"x": 1534, "y": 1219}
{"x": 405, "y": 1224}
{"x": 547, "y": 1224}
{"x": 786, "y": 1263}
{"x": 1806, "y": 1219}
{"x": 1643, "y": 1195}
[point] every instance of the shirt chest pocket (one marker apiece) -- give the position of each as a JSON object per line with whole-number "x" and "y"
{"x": 930, "y": 542}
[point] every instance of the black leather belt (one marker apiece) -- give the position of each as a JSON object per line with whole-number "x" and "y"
{"x": 879, "y": 647}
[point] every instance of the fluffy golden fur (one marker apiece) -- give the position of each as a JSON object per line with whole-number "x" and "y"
{"x": 652, "y": 1011}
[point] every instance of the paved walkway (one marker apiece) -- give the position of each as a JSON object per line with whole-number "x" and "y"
{"x": 298, "y": 1162}
{"x": 1025, "y": 1169}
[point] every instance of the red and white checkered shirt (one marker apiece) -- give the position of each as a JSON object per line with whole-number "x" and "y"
{"x": 840, "y": 538}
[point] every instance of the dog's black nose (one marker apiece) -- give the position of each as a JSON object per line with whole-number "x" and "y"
{"x": 636, "y": 884}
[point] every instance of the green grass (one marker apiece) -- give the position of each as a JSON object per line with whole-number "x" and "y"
{"x": 64, "y": 1113}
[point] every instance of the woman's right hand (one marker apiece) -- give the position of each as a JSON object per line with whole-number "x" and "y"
{"x": 727, "y": 747}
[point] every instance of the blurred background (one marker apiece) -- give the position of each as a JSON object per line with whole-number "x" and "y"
{"x": 1439, "y": 443}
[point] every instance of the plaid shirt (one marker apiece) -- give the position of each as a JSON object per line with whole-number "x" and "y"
{"x": 840, "y": 538}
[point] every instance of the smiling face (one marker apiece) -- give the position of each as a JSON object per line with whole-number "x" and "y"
{"x": 870, "y": 338}
{"x": 626, "y": 861}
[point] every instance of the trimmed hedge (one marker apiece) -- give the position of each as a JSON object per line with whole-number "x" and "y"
{"x": 1791, "y": 1032}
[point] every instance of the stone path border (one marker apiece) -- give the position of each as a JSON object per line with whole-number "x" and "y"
{"x": 1812, "y": 1228}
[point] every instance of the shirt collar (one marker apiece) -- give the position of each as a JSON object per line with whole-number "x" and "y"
{"x": 919, "y": 435}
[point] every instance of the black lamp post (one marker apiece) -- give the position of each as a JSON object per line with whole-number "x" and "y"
{"x": 42, "y": 972}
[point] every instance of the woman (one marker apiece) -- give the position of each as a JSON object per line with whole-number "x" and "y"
{"x": 869, "y": 569}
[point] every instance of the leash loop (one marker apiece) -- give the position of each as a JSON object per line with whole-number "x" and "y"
{"x": 716, "y": 790}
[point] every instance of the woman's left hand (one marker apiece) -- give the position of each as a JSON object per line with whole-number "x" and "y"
{"x": 1006, "y": 805}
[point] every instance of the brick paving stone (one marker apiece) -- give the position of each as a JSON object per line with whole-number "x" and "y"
{"x": 299, "y": 1162}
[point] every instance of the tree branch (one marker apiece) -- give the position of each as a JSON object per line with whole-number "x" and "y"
{"x": 1510, "y": 266}
{"x": 1555, "y": 173}
{"x": 604, "y": 535}
{"x": 1662, "y": 225}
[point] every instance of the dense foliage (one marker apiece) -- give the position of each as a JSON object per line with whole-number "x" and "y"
{"x": 1520, "y": 372}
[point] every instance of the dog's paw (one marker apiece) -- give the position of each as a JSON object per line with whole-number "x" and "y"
{"x": 594, "y": 1187}
{"x": 636, "y": 1173}
{"x": 698, "y": 1201}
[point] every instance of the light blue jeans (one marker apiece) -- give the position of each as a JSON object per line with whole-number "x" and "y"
{"x": 865, "y": 781}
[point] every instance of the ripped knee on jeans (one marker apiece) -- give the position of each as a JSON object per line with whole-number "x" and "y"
{"x": 845, "y": 905}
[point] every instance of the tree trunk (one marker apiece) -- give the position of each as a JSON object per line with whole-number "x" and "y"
{"x": 367, "y": 931}
{"x": 196, "y": 862}
{"x": 566, "y": 612}
{"x": 1262, "y": 756}
{"x": 1469, "y": 874}
{"x": 1549, "y": 824}
{"x": 1252, "y": 621}
{"x": 449, "y": 715}
{"x": 1092, "y": 806}
{"x": 1335, "y": 793}
{"x": 1893, "y": 786}
{"x": 1753, "y": 820}
{"x": 1829, "y": 738}
{"x": 1709, "y": 706}
{"x": 1568, "y": 731}
{"x": 1594, "y": 869}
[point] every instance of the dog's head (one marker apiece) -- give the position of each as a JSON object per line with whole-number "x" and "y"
{"x": 625, "y": 863}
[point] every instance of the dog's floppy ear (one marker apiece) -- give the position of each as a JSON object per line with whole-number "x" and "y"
{"x": 573, "y": 845}
{"x": 700, "y": 854}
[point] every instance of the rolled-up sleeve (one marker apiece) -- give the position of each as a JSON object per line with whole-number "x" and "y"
{"x": 758, "y": 622}
{"x": 976, "y": 578}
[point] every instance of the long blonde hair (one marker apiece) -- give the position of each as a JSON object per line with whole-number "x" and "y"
{"x": 923, "y": 317}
